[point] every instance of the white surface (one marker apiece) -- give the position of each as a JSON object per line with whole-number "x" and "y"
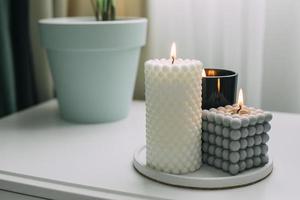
{"x": 41, "y": 154}
{"x": 5, "y": 195}
{"x": 206, "y": 177}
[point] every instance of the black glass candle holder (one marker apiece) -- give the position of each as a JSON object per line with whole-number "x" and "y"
{"x": 218, "y": 88}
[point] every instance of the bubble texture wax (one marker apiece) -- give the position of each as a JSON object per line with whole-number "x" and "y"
{"x": 173, "y": 115}
{"x": 235, "y": 143}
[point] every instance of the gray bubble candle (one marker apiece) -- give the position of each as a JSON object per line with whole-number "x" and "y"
{"x": 234, "y": 137}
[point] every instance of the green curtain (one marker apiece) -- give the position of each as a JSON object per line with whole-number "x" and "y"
{"x": 7, "y": 80}
{"x": 16, "y": 77}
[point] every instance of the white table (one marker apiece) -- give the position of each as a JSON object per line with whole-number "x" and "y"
{"x": 44, "y": 156}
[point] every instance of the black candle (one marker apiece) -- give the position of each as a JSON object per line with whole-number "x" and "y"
{"x": 218, "y": 88}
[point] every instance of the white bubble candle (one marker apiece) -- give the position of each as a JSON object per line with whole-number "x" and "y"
{"x": 173, "y": 114}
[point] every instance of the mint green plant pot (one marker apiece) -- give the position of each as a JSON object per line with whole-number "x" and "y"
{"x": 94, "y": 65}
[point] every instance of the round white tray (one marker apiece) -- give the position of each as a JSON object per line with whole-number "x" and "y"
{"x": 206, "y": 177}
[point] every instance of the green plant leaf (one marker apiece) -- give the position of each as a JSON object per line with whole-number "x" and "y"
{"x": 104, "y": 8}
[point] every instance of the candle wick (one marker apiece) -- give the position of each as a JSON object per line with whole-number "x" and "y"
{"x": 240, "y": 108}
{"x": 173, "y": 59}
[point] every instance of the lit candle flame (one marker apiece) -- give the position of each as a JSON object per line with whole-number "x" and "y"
{"x": 173, "y": 52}
{"x": 203, "y": 73}
{"x": 219, "y": 85}
{"x": 211, "y": 73}
{"x": 241, "y": 98}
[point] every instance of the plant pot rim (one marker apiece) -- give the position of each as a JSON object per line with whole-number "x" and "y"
{"x": 90, "y": 20}
{"x": 84, "y": 33}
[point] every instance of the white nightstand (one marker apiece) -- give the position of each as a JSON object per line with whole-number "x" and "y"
{"x": 44, "y": 156}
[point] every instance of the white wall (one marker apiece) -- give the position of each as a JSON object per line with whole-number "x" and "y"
{"x": 227, "y": 34}
{"x": 281, "y": 83}
{"x": 260, "y": 39}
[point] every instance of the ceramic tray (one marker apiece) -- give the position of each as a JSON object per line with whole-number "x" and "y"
{"x": 206, "y": 177}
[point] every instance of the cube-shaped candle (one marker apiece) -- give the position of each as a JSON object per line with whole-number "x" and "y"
{"x": 235, "y": 138}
